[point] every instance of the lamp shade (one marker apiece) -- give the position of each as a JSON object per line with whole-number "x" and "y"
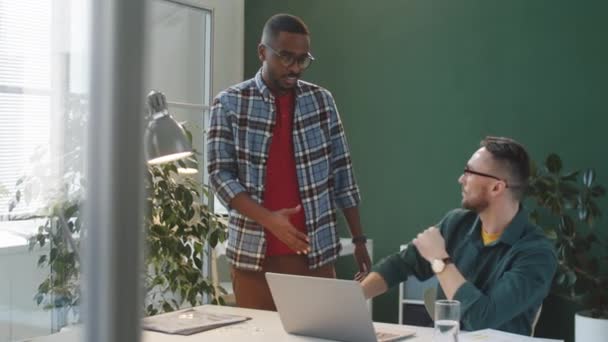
{"x": 165, "y": 138}
{"x": 189, "y": 167}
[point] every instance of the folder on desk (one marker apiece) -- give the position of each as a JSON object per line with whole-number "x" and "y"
{"x": 189, "y": 321}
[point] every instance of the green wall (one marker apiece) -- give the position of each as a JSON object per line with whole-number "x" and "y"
{"x": 419, "y": 83}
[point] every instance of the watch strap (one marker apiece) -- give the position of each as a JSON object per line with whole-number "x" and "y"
{"x": 359, "y": 239}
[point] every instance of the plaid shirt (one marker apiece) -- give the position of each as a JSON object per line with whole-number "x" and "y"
{"x": 242, "y": 122}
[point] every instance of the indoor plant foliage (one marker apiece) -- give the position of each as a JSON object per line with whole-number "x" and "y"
{"x": 178, "y": 226}
{"x": 567, "y": 209}
{"x": 51, "y": 192}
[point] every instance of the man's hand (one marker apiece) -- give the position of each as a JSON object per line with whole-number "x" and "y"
{"x": 430, "y": 244}
{"x": 363, "y": 261}
{"x": 373, "y": 285}
{"x": 279, "y": 225}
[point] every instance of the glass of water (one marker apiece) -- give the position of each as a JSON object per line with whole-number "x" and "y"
{"x": 447, "y": 321}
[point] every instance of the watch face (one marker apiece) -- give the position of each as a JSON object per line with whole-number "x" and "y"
{"x": 437, "y": 265}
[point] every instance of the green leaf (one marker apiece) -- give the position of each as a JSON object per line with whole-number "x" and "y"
{"x": 70, "y": 211}
{"x": 560, "y": 279}
{"x": 550, "y": 233}
{"x": 190, "y": 214}
{"x": 222, "y": 290}
{"x": 571, "y": 278}
{"x": 213, "y": 238}
{"x": 41, "y": 260}
{"x": 583, "y": 212}
{"x": 167, "y": 307}
{"x": 566, "y": 225}
{"x": 588, "y": 177}
{"x": 594, "y": 212}
{"x": 572, "y": 176}
{"x": 172, "y": 167}
{"x": 188, "y": 134}
{"x": 53, "y": 255}
{"x": 553, "y": 163}
{"x": 39, "y": 297}
{"x": 189, "y": 199}
{"x": 44, "y": 286}
{"x": 198, "y": 262}
{"x": 71, "y": 226}
{"x": 41, "y": 239}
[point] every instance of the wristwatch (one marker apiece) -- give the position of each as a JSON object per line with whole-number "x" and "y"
{"x": 359, "y": 239}
{"x": 438, "y": 265}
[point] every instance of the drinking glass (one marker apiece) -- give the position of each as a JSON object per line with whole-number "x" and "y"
{"x": 447, "y": 321}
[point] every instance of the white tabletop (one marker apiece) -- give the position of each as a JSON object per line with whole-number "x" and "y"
{"x": 263, "y": 326}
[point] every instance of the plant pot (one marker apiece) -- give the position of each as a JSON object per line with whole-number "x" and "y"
{"x": 59, "y": 317}
{"x": 588, "y": 329}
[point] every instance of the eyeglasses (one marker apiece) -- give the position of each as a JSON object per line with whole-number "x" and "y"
{"x": 287, "y": 59}
{"x": 468, "y": 171}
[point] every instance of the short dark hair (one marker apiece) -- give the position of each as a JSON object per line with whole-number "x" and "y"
{"x": 514, "y": 157}
{"x": 282, "y": 23}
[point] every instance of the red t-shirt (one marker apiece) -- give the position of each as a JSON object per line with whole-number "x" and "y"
{"x": 282, "y": 189}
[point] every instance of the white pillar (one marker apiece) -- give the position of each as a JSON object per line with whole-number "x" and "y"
{"x": 115, "y": 173}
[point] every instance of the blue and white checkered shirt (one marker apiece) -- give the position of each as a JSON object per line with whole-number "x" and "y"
{"x": 242, "y": 122}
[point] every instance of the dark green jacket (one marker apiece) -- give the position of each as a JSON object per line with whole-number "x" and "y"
{"x": 507, "y": 280}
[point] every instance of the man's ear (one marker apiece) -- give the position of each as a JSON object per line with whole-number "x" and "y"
{"x": 499, "y": 187}
{"x": 261, "y": 52}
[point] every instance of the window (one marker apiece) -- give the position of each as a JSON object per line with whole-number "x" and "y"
{"x": 44, "y": 81}
{"x": 43, "y": 78}
{"x": 42, "y": 101}
{"x": 180, "y": 67}
{"x": 25, "y": 94}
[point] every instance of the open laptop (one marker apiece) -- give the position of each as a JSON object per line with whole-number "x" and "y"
{"x": 326, "y": 308}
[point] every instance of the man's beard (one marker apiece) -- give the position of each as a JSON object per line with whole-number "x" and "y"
{"x": 477, "y": 205}
{"x": 276, "y": 79}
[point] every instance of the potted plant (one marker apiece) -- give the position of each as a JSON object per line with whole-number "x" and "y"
{"x": 53, "y": 196}
{"x": 567, "y": 209}
{"x": 178, "y": 227}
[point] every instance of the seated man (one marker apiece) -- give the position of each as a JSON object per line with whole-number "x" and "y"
{"x": 488, "y": 255}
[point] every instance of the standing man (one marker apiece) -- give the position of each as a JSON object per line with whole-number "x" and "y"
{"x": 279, "y": 160}
{"x": 487, "y": 255}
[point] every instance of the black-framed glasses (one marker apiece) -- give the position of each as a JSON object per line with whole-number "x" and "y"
{"x": 468, "y": 171}
{"x": 287, "y": 59}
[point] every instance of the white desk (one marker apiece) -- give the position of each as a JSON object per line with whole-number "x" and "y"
{"x": 264, "y": 326}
